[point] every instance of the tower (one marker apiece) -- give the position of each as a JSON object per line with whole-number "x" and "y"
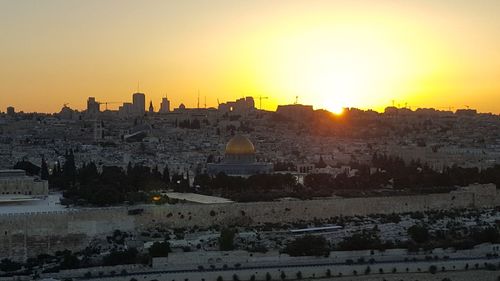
{"x": 165, "y": 105}
{"x": 151, "y": 108}
{"x": 139, "y": 103}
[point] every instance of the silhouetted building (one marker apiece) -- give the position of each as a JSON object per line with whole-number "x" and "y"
{"x": 93, "y": 107}
{"x": 11, "y": 111}
{"x": 139, "y": 103}
{"x": 466, "y": 112}
{"x": 165, "y": 105}
{"x": 240, "y": 106}
{"x": 295, "y": 111}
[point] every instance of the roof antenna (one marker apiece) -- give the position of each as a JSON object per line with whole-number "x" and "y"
{"x": 205, "y": 102}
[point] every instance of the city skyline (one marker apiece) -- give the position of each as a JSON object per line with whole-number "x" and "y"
{"x": 417, "y": 53}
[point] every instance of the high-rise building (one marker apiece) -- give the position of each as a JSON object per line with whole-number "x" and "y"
{"x": 139, "y": 103}
{"x": 126, "y": 109}
{"x": 93, "y": 106}
{"x": 165, "y": 105}
{"x": 11, "y": 111}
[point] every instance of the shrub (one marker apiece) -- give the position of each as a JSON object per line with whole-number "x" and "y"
{"x": 432, "y": 269}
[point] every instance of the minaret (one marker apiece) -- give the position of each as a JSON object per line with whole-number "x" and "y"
{"x": 151, "y": 108}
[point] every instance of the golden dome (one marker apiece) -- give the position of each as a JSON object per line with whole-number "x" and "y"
{"x": 240, "y": 145}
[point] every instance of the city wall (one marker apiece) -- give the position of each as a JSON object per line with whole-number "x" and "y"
{"x": 26, "y": 235}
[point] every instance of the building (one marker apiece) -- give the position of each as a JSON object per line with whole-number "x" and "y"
{"x": 240, "y": 106}
{"x": 239, "y": 160}
{"x": 126, "y": 109}
{"x": 11, "y": 111}
{"x": 165, "y": 105}
{"x": 296, "y": 111}
{"x": 139, "y": 103}
{"x": 98, "y": 131}
{"x": 15, "y": 185}
{"x": 93, "y": 107}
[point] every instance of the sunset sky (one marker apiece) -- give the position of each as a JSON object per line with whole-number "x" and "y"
{"x": 331, "y": 54}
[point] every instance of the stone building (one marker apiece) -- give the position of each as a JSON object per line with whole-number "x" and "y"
{"x": 239, "y": 159}
{"x": 15, "y": 185}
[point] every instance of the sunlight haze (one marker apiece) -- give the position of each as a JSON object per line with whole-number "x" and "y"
{"x": 331, "y": 54}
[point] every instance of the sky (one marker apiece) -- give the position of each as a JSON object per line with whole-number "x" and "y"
{"x": 331, "y": 54}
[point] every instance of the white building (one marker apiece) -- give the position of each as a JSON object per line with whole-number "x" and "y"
{"x": 15, "y": 185}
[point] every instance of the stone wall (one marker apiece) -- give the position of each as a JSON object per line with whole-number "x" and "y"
{"x": 25, "y": 235}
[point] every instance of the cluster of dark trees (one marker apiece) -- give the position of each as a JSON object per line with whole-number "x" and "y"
{"x": 111, "y": 184}
{"x": 308, "y": 245}
{"x": 422, "y": 238}
{"x": 417, "y": 175}
{"x": 262, "y": 187}
{"x": 159, "y": 249}
{"x": 395, "y": 172}
{"x": 363, "y": 240}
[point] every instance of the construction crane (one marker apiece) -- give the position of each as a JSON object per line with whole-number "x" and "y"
{"x": 260, "y": 101}
{"x": 108, "y": 102}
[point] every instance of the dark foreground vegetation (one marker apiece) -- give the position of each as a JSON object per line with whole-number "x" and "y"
{"x": 110, "y": 185}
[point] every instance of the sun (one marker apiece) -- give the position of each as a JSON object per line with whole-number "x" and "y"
{"x": 340, "y": 68}
{"x": 337, "y": 110}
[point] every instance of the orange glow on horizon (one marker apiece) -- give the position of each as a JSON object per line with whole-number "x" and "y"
{"x": 331, "y": 54}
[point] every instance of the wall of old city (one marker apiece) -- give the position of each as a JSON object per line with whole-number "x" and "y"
{"x": 25, "y": 235}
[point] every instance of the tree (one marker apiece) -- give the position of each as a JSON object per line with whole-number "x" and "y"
{"x": 488, "y": 234}
{"x": 299, "y": 275}
{"x": 69, "y": 169}
{"x": 8, "y": 265}
{"x": 368, "y": 270}
{"x": 419, "y": 233}
{"x": 69, "y": 261}
{"x": 283, "y": 275}
{"x": 226, "y": 239}
{"x": 166, "y": 175}
{"x": 433, "y": 269}
{"x": 308, "y": 245}
{"x": 159, "y": 249}
{"x": 44, "y": 172}
{"x": 268, "y": 276}
{"x": 366, "y": 239}
{"x": 120, "y": 257}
